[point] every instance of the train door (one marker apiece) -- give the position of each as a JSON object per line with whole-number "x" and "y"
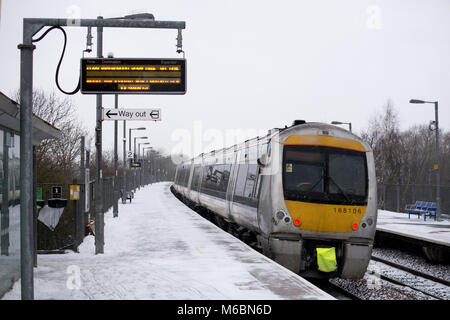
{"x": 244, "y": 203}
{"x": 189, "y": 179}
{"x": 232, "y": 182}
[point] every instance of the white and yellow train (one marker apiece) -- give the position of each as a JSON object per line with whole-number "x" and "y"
{"x": 307, "y": 193}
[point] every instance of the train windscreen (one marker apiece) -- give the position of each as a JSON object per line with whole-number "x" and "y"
{"x": 325, "y": 175}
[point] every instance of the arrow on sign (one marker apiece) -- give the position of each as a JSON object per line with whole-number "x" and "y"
{"x": 109, "y": 114}
{"x": 131, "y": 114}
{"x": 154, "y": 114}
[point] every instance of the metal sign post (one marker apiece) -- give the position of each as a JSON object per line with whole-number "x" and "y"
{"x": 115, "y": 182}
{"x": 30, "y": 27}
{"x": 99, "y": 224}
{"x": 124, "y": 182}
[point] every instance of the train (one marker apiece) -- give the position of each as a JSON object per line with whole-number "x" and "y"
{"x": 306, "y": 194}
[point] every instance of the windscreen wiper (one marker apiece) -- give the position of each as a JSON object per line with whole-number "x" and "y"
{"x": 340, "y": 189}
{"x": 315, "y": 184}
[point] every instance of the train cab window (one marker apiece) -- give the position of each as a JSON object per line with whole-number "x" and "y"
{"x": 325, "y": 175}
{"x": 352, "y": 181}
{"x": 304, "y": 171}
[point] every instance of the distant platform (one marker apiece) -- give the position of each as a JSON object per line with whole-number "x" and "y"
{"x": 158, "y": 248}
{"x": 437, "y": 232}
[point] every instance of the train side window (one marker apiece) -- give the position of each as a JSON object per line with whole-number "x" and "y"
{"x": 240, "y": 180}
{"x": 195, "y": 177}
{"x": 186, "y": 176}
{"x": 203, "y": 181}
{"x": 219, "y": 176}
{"x": 225, "y": 177}
{"x": 210, "y": 178}
{"x": 181, "y": 176}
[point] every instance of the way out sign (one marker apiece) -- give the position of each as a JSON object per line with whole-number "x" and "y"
{"x": 132, "y": 114}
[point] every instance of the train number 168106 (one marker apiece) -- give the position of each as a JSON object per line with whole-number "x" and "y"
{"x": 347, "y": 210}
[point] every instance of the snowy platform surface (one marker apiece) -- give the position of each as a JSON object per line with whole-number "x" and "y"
{"x": 160, "y": 249}
{"x": 429, "y": 230}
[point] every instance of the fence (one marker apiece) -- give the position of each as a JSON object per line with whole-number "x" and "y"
{"x": 72, "y": 225}
{"x": 396, "y": 197}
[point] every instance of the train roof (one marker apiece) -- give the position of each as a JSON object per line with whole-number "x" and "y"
{"x": 273, "y": 132}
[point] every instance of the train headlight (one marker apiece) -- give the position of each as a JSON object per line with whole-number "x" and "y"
{"x": 369, "y": 221}
{"x": 280, "y": 215}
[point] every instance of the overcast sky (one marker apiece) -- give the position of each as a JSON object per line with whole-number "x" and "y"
{"x": 254, "y": 64}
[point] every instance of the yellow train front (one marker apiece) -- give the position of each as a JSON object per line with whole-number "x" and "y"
{"x": 306, "y": 192}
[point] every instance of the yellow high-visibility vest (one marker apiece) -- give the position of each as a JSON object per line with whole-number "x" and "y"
{"x": 326, "y": 259}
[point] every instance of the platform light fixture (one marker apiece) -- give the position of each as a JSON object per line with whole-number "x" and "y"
{"x": 339, "y": 122}
{"x": 435, "y": 127}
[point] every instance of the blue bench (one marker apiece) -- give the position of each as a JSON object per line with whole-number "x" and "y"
{"x": 128, "y": 196}
{"x": 431, "y": 212}
{"x": 428, "y": 209}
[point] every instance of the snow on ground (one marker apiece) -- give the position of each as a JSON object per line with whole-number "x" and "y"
{"x": 429, "y": 230}
{"x": 160, "y": 249}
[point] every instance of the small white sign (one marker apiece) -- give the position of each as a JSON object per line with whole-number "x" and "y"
{"x": 130, "y": 154}
{"x": 132, "y": 114}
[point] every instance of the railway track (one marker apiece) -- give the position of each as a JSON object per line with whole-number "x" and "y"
{"x": 402, "y": 275}
{"x": 392, "y": 281}
{"x": 346, "y": 289}
{"x": 412, "y": 271}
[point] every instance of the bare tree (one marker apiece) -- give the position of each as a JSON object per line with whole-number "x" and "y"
{"x": 407, "y": 157}
{"x": 56, "y": 158}
{"x": 383, "y": 135}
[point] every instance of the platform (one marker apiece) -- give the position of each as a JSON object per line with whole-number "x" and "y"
{"x": 437, "y": 232}
{"x": 158, "y": 248}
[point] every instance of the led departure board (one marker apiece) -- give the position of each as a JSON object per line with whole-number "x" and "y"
{"x": 133, "y": 76}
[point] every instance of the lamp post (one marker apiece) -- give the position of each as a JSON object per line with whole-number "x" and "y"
{"x": 436, "y": 166}
{"x": 141, "y": 169}
{"x": 129, "y": 148}
{"x": 139, "y": 148}
{"x": 135, "y": 158}
{"x": 339, "y": 122}
{"x": 129, "y": 137}
{"x": 143, "y": 156}
{"x": 135, "y": 138}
